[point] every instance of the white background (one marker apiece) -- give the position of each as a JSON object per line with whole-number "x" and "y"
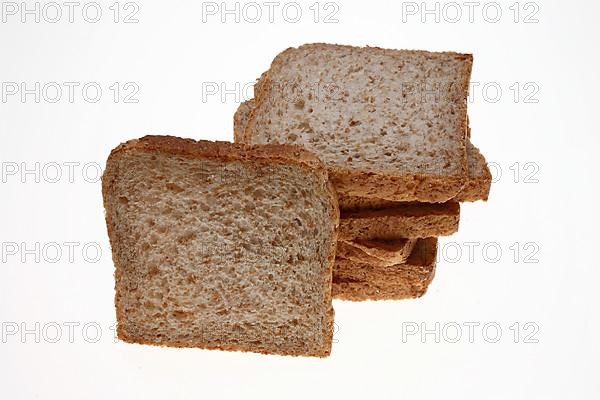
{"x": 549, "y": 287}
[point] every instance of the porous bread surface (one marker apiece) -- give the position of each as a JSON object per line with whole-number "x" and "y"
{"x": 388, "y": 123}
{"x": 476, "y": 187}
{"x": 376, "y": 252}
{"x": 409, "y": 221}
{"x": 360, "y": 281}
{"x": 222, "y": 246}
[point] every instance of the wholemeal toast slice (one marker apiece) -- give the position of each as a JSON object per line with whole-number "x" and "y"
{"x": 221, "y": 246}
{"x": 409, "y": 221}
{"x": 376, "y": 252}
{"x": 359, "y": 281}
{"x": 388, "y": 123}
{"x": 476, "y": 187}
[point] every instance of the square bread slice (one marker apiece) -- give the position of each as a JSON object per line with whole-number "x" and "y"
{"x": 476, "y": 187}
{"x": 221, "y": 246}
{"x": 376, "y": 252}
{"x": 359, "y": 281}
{"x": 388, "y": 123}
{"x": 412, "y": 221}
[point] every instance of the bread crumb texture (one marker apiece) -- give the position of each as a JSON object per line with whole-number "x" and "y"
{"x": 396, "y": 113}
{"x": 221, "y": 246}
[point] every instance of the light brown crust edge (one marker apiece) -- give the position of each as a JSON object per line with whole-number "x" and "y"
{"x": 394, "y": 223}
{"x": 349, "y": 250}
{"x": 364, "y": 291}
{"x": 421, "y": 188}
{"x": 284, "y": 154}
{"x": 392, "y": 252}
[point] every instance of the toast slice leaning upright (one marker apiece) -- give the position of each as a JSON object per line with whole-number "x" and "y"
{"x": 214, "y": 247}
{"x": 359, "y": 281}
{"x": 389, "y": 124}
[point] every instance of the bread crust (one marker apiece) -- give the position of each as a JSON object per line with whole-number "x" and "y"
{"x": 357, "y": 281}
{"x": 283, "y": 154}
{"x": 410, "y": 221}
{"x": 477, "y": 187}
{"x": 400, "y": 187}
{"x": 423, "y": 188}
{"x": 378, "y": 253}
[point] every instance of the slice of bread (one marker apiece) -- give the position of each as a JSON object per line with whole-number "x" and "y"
{"x": 221, "y": 246}
{"x": 359, "y": 281}
{"x": 388, "y": 123}
{"x": 477, "y": 184}
{"x": 409, "y": 221}
{"x": 376, "y": 252}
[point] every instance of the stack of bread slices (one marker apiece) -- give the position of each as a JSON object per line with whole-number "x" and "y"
{"x": 391, "y": 126}
{"x": 348, "y": 165}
